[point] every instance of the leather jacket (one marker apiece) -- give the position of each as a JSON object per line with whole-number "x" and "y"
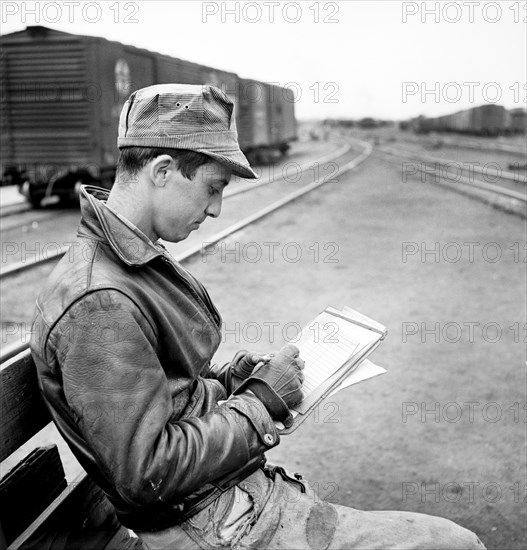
{"x": 122, "y": 339}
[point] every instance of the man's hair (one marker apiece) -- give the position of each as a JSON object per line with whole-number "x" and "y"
{"x": 133, "y": 159}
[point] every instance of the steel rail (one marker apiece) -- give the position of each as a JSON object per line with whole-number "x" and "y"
{"x": 445, "y": 162}
{"x": 484, "y": 186}
{"x": 274, "y": 206}
{"x": 477, "y": 184}
{"x": 46, "y": 216}
{"x": 14, "y": 209}
{"x": 250, "y": 186}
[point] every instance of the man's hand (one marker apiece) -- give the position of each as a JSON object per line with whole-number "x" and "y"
{"x": 278, "y": 383}
{"x": 243, "y": 364}
{"x": 232, "y": 374}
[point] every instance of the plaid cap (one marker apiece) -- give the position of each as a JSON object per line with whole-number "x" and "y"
{"x": 183, "y": 116}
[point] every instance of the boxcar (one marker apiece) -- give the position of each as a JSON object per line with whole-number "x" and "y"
{"x": 283, "y": 123}
{"x": 62, "y": 95}
{"x": 254, "y": 121}
{"x": 489, "y": 120}
{"x": 460, "y": 121}
{"x": 518, "y": 121}
{"x": 267, "y": 121}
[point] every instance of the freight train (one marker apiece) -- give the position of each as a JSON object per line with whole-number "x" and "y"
{"x": 485, "y": 120}
{"x": 62, "y": 93}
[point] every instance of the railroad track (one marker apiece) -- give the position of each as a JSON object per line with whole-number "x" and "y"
{"x": 346, "y": 163}
{"x": 496, "y": 147}
{"x": 512, "y": 187}
{"x": 14, "y": 209}
{"x": 8, "y": 223}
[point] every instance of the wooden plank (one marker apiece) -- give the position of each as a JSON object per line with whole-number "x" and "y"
{"x": 81, "y": 517}
{"x": 123, "y": 541}
{"x": 22, "y": 410}
{"x": 3, "y": 542}
{"x": 29, "y": 488}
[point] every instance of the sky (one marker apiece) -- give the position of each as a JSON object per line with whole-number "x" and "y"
{"x": 385, "y": 59}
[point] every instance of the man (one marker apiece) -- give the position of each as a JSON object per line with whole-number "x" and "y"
{"x": 123, "y": 348}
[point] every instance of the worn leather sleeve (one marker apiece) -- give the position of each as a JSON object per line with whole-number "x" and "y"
{"x": 119, "y": 394}
{"x": 218, "y": 371}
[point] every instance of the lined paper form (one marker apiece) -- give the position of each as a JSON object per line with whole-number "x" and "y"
{"x": 334, "y": 347}
{"x": 326, "y": 344}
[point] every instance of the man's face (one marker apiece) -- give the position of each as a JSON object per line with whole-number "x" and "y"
{"x": 181, "y": 205}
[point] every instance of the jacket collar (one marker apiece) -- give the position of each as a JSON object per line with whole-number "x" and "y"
{"x": 130, "y": 244}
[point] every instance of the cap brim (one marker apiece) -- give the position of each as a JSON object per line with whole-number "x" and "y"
{"x": 236, "y": 161}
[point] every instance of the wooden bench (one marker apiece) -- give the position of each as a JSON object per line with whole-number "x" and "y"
{"x": 38, "y": 509}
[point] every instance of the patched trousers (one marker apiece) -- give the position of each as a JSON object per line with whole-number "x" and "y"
{"x": 276, "y": 511}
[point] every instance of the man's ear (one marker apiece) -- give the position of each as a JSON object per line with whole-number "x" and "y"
{"x": 159, "y": 169}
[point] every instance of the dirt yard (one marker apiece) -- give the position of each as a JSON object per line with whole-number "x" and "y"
{"x": 443, "y": 432}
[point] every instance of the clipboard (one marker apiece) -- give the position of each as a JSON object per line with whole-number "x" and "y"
{"x": 368, "y": 335}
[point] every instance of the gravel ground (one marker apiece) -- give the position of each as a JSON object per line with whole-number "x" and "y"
{"x": 456, "y": 330}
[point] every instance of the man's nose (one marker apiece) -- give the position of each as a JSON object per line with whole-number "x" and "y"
{"x": 214, "y": 208}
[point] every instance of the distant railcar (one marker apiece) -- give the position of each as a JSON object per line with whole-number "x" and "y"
{"x": 489, "y": 120}
{"x": 518, "y": 121}
{"x": 420, "y": 125}
{"x": 485, "y": 120}
{"x": 464, "y": 121}
{"x": 461, "y": 121}
{"x": 267, "y": 123}
{"x": 283, "y": 122}
{"x": 62, "y": 95}
{"x": 254, "y": 120}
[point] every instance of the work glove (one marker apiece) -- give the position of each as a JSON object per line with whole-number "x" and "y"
{"x": 278, "y": 383}
{"x": 232, "y": 374}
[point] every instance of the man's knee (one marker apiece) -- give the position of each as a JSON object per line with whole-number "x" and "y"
{"x": 436, "y": 533}
{"x": 451, "y": 535}
{"x": 401, "y": 530}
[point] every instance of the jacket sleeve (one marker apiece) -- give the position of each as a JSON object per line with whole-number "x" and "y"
{"x": 218, "y": 371}
{"x": 121, "y": 401}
